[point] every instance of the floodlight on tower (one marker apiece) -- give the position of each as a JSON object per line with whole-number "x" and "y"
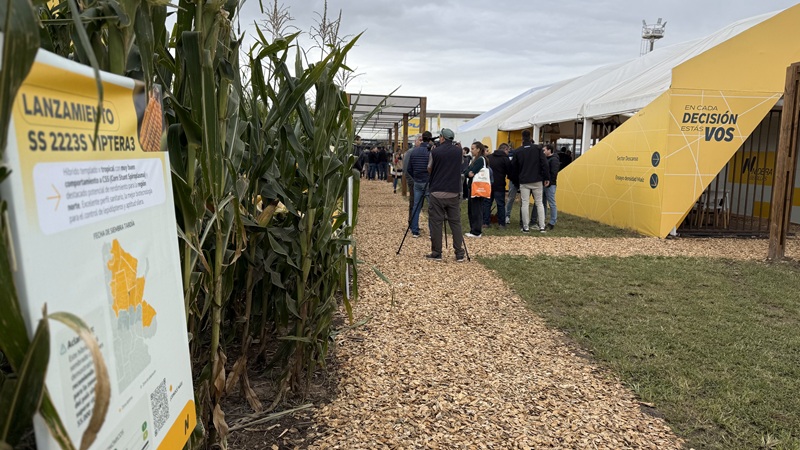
{"x": 650, "y": 34}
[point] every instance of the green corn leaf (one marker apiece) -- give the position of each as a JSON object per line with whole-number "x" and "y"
{"x": 27, "y": 395}
{"x": 13, "y": 336}
{"x": 20, "y": 29}
{"x": 145, "y": 40}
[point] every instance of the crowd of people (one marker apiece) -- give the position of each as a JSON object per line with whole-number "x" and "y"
{"x": 442, "y": 173}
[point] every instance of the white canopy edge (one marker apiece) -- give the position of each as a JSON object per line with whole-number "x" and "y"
{"x": 616, "y": 88}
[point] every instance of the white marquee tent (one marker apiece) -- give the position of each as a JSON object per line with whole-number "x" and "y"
{"x": 620, "y": 88}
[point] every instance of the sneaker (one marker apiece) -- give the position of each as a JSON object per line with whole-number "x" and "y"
{"x": 434, "y": 256}
{"x": 470, "y": 235}
{"x": 508, "y": 220}
{"x": 525, "y": 230}
{"x": 542, "y": 230}
{"x": 550, "y": 226}
{"x": 415, "y": 235}
{"x": 461, "y": 258}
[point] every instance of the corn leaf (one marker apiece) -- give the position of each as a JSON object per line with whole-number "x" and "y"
{"x": 16, "y": 411}
{"x": 20, "y": 42}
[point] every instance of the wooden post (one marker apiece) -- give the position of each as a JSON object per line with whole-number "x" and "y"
{"x": 394, "y": 149}
{"x": 423, "y": 114}
{"x": 785, "y": 166}
{"x": 403, "y": 150}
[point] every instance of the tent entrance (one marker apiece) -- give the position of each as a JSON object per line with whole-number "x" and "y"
{"x": 737, "y": 201}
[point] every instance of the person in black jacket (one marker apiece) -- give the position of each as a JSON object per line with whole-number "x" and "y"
{"x": 534, "y": 175}
{"x": 383, "y": 164}
{"x": 501, "y": 166}
{"x": 372, "y": 172}
{"x": 445, "y": 185}
{"x": 550, "y": 191}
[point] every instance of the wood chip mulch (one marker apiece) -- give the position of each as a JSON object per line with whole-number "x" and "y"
{"x": 449, "y": 365}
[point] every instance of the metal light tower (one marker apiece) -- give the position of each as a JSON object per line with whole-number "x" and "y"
{"x": 650, "y": 34}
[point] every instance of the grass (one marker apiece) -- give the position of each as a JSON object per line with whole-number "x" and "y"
{"x": 713, "y": 344}
{"x": 567, "y": 226}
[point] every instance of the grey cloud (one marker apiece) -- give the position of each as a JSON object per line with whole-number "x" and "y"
{"x": 475, "y": 54}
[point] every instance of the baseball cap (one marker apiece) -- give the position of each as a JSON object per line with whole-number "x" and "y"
{"x": 447, "y": 133}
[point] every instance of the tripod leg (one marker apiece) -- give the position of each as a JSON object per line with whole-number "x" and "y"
{"x": 416, "y": 211}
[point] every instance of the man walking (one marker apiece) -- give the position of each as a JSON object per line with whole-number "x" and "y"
{"x": 531, "y": 165}
{"x": 501, "y": 166}
{"x": 550, "y": 191}
{"x": 445, "y": 186}
{"x": 418, "y": 171}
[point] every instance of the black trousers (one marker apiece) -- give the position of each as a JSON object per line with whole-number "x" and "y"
{"x": 475, "y": 212}
{"x": 438, "y": 209}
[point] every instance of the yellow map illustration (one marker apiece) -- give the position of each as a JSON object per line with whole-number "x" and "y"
{"x": 127, "y": 291}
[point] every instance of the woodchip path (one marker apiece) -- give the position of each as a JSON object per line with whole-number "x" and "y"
{"x": 449, "y": 365}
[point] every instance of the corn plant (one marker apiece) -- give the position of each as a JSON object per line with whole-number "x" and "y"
{"x": 259, "y": 175}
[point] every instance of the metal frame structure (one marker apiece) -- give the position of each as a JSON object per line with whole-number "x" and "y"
{"x": 394, "y": 111}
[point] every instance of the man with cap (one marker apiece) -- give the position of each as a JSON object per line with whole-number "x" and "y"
{"x": 418, "y": 171}
{"x": 444, "y": 166}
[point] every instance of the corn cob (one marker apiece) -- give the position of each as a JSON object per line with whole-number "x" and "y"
{"x": 152, "y": 128}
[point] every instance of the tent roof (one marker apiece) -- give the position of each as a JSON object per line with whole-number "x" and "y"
{"x": 613, "y": 89}
{"x": 510, "y": 107}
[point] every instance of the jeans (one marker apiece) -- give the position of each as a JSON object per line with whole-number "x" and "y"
{"x": 437, "y": 210}
{"x": 499, "y": 197}
{"x": 538, "y": 194}
{"x": 550, "y": 193}
{"x": 396, "y": 180}
{"x": 475, "y": 211}
{"x": 512, "y": 195}
{"x": 383, "y": 168}
{"x": 373, "y": 171}
{"x": 420, "y": 190}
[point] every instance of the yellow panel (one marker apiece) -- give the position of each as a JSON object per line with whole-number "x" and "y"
{"x": 761, "y": 209}
{"x": 705, "y": 130}
{"x": 754, "y": 60}
{"x": 413, "y": 126}
{"x": 752, "y": 167}
{"x": 611, "y": 182}
{"x": 650, "y": 171}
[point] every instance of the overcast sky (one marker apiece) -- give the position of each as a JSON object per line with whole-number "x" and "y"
{"x": 472, "y": 55}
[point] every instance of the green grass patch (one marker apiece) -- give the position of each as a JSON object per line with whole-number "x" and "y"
{"x": 714, "y": 344}
{"x": 567, "y": 226}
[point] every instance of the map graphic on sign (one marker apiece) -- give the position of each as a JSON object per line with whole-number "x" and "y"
{"x": 133, "y": 319}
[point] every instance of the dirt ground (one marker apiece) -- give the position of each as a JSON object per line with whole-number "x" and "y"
{"x": 456, "y": 360}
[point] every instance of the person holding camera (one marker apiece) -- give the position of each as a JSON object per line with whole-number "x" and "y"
{"x": 444, "y": 166}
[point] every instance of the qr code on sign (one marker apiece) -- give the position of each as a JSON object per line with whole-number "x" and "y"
{"x": 159, "y": 402}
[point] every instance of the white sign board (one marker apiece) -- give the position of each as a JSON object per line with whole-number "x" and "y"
{"x": 94, "y": 234}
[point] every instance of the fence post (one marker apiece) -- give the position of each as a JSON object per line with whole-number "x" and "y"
{"x": 785, "y": 166}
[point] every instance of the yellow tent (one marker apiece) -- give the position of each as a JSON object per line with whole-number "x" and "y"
{"x": 648, "y": 173}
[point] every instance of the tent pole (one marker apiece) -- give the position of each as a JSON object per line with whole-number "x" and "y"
{"x": 586, "y": 138}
